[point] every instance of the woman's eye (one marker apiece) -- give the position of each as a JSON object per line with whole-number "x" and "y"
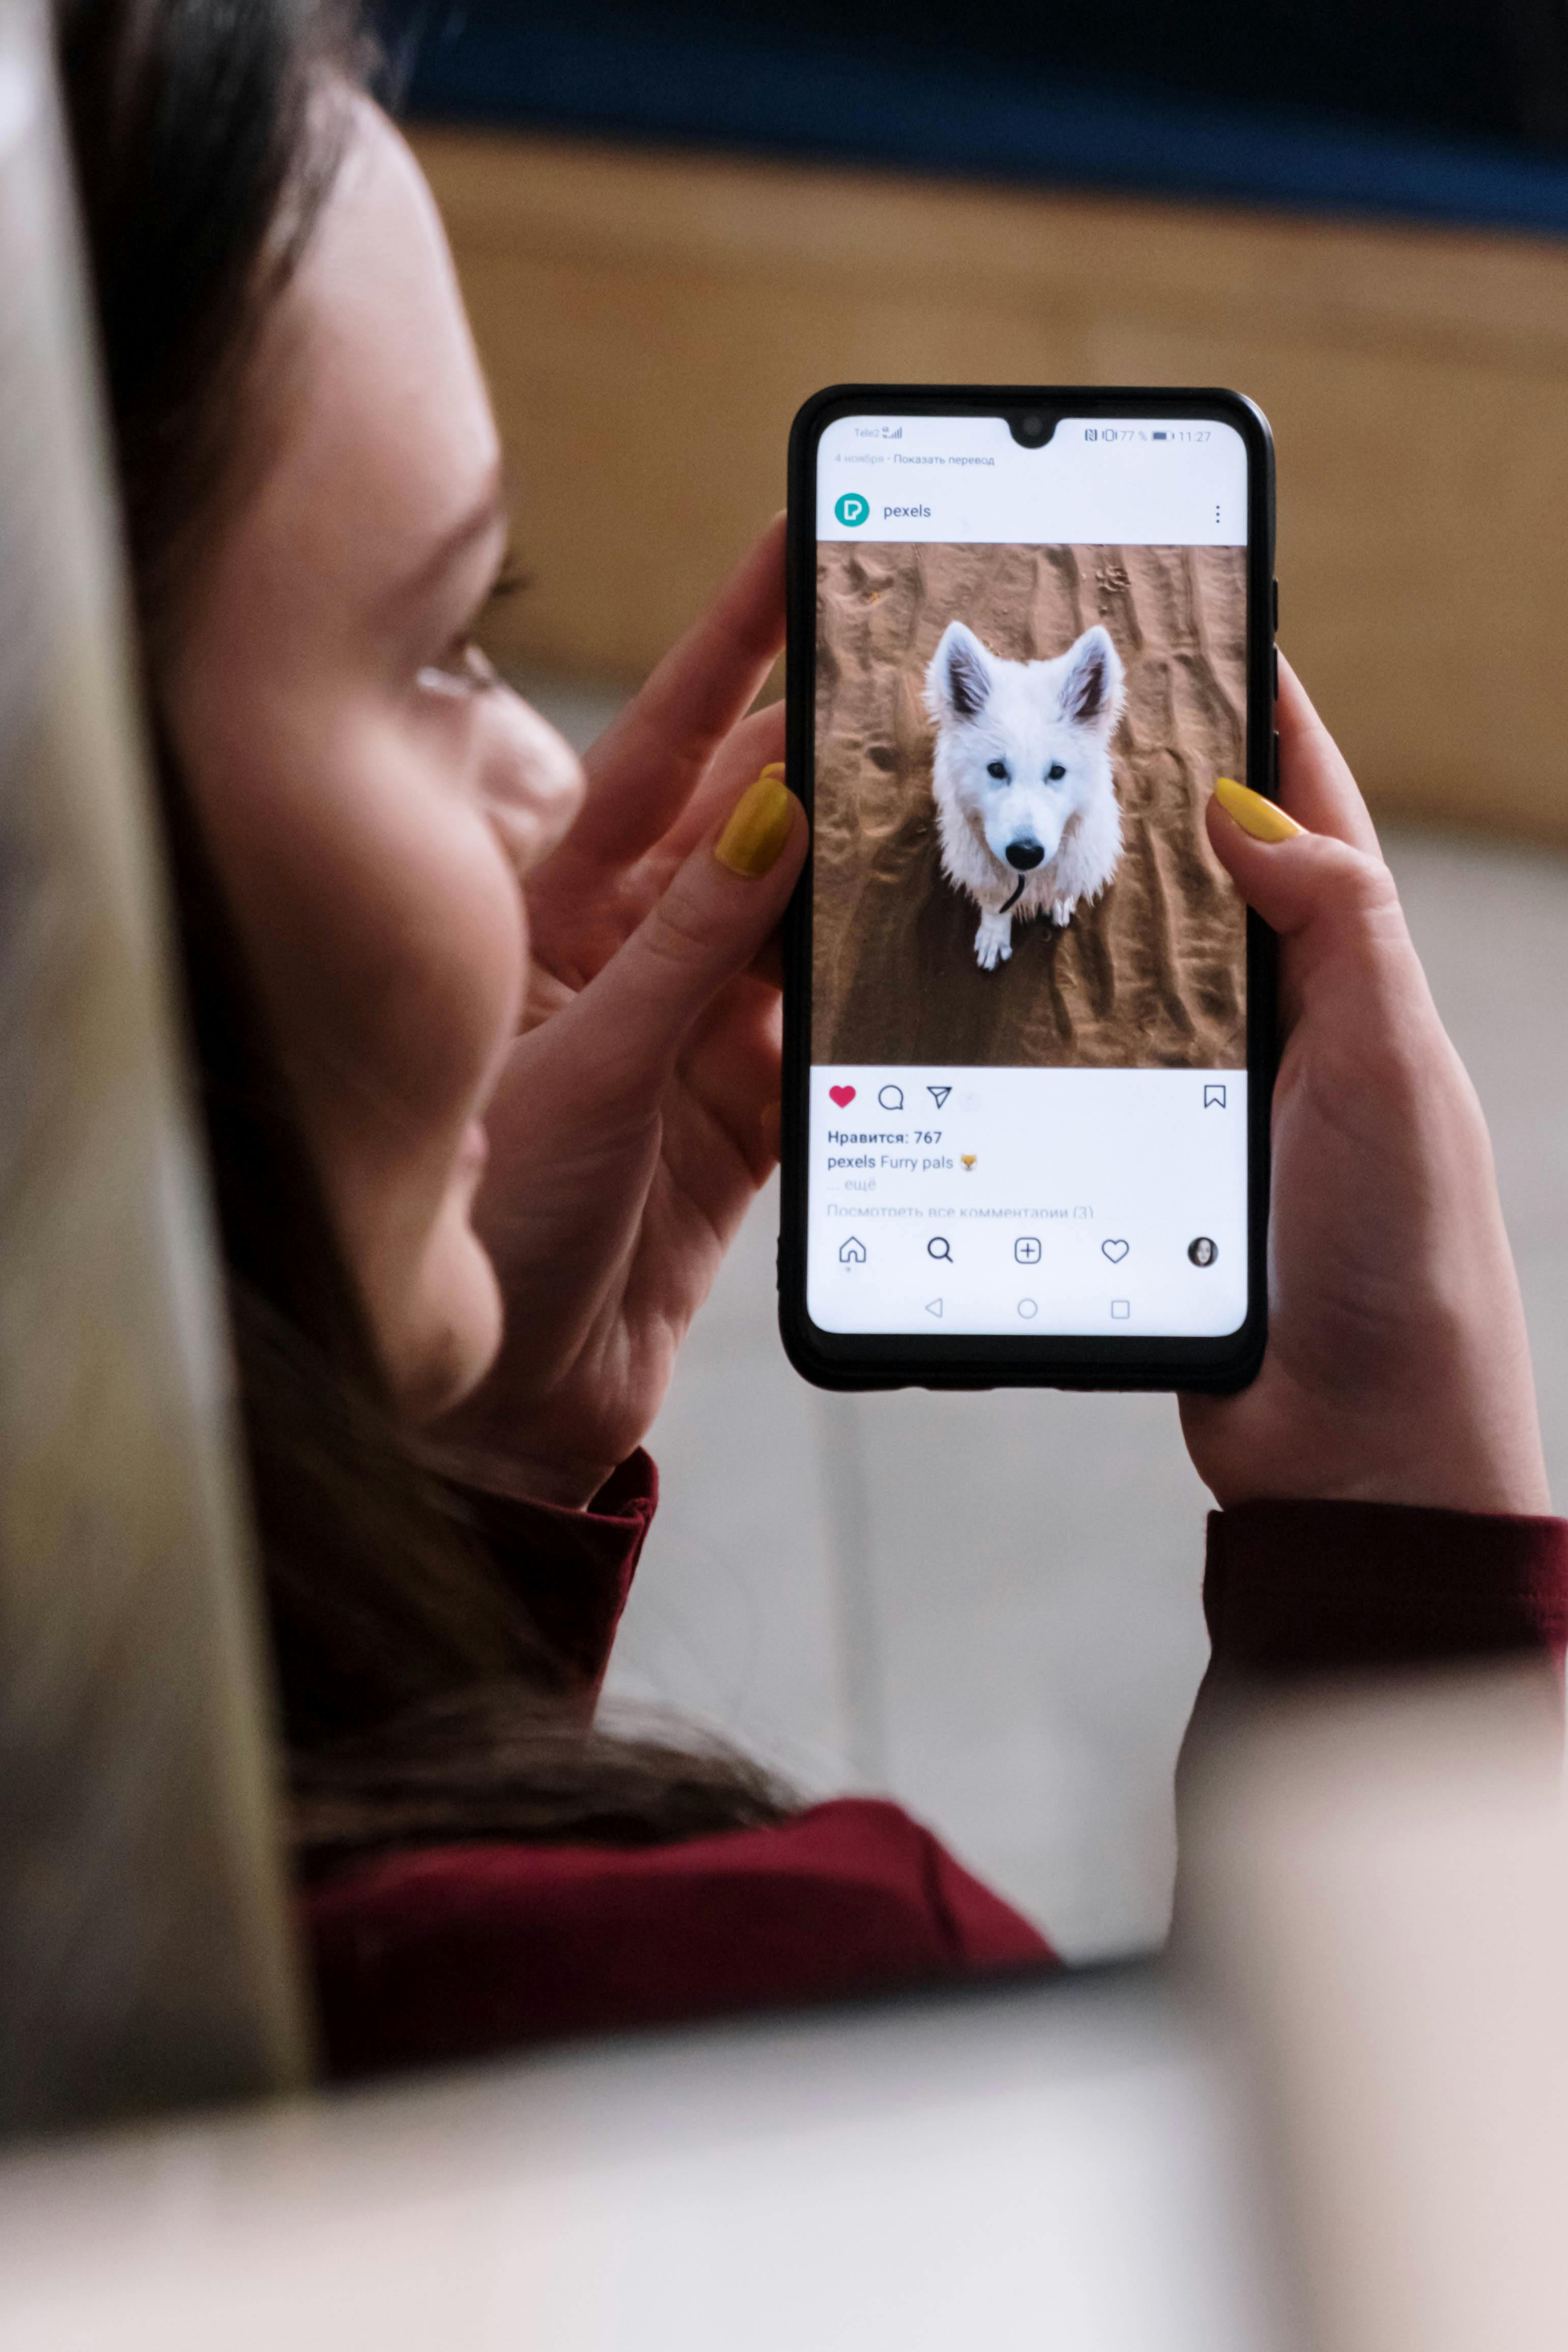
{"x": 1055, "y": 771}
{"x": 462, "y": 672}
{"x": 998, "y": 768}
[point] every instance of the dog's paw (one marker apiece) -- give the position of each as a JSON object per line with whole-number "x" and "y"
{"x": 992, "y": 941}
{"x": 1061, "y": 913}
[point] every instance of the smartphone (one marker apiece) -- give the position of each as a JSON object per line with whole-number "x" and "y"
{"x": 1028, "y": 1022}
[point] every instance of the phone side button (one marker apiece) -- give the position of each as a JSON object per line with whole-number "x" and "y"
{"x": 1275, "y": 662}
{"x": 1276, "y": 608}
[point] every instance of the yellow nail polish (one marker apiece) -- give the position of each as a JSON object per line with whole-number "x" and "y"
{"x": 1262, "y": 819}
{"x": 774, "y": 768}
{"x": 758, "y": 829}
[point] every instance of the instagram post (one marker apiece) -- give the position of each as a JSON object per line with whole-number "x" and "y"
{"x": 1028, "y": 969}
{"x": 1014, "y": 747}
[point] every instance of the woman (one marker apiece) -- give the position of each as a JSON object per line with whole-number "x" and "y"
{"x": 488, "y": 1060}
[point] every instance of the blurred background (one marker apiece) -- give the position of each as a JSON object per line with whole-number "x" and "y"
{"x": 675, "y": 221}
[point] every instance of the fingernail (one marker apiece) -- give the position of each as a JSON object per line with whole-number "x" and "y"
{"x": 1264, "y": 820}
{"x": 758, "y": 826}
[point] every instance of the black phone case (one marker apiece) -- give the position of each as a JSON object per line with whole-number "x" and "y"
{"x": 886, "y": 1361}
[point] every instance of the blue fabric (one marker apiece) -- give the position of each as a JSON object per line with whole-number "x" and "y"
{"x": 864, "y": 106}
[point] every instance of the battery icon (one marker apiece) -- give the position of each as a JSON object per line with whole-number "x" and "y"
{"x": 1159, "y": 437}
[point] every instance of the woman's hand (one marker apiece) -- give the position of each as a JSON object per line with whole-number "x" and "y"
{"x": 1397, "y": 1368}
{"x": 640, "y": 1111}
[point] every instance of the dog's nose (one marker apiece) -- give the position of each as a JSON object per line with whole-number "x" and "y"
{"x": 1024, "y": 854}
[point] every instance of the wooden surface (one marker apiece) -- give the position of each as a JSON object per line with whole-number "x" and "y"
{"x": 651, "y": 322}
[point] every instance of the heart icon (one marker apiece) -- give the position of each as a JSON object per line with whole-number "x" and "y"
{"x": 1115, "y": 1251}
{"x": 842, "y": 1095}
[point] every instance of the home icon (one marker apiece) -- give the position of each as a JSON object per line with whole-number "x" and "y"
{"x": 852, "y": 1253}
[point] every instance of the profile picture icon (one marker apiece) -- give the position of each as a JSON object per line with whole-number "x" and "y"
{"x": 852, "y": 508}
{"x": 1202, "y": 1252}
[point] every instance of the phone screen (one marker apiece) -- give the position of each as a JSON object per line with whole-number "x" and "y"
{"x": 1029, "y": 1089}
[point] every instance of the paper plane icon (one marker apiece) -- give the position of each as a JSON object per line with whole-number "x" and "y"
{"x": 939, "y": 1095}
{"x": 934, "y": 1307}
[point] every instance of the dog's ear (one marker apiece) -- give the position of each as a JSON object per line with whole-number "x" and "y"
{"x": 960, "y": 678}
{"x": 1092, "y": 690}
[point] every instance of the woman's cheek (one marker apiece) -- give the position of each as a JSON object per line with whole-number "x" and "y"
{"x": 412, "y": 997}
{"x": 465, "y": 972}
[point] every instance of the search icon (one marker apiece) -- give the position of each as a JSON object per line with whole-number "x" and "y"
{"x": 937, "y": 1247}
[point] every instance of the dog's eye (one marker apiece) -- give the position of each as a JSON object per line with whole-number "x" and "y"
{"x": 1055, "y": 771}
{"x": 998, "y": 768}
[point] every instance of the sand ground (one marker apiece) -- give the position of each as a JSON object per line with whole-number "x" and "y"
{"x": 1152, "y": 976}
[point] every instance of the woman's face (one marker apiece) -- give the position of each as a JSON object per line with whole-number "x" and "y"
{"x": 370, "y": 793}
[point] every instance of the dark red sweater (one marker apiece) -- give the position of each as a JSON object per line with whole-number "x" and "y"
{"x": 458, "y": 1950}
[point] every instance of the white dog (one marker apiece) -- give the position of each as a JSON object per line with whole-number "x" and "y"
{"x": 1025, "y": 802}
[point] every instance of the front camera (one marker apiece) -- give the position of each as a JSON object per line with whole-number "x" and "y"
{"x": 1032, "y": 427}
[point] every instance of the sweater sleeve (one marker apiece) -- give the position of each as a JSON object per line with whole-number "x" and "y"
{"x": 1325, "y": 1588}
{"x": 444, "y": 1953}
{"x": 454, "y": 1951}
{"x": 571, "y": 1569}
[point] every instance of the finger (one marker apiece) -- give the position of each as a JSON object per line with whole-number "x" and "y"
{"x": 767, "y": 966}
{"x": 643, "y": 770}
{"x": 1305, "y": 883}
{"x": 570, "y": 938}
{"x": 730, "y": 1069}
{"x": 1315, "y": 782}
{"x": 710, "y": 923}
{"x": 757, "y": 743}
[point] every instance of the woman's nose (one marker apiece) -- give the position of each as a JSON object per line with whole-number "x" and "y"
{"x": 533, "y": 783}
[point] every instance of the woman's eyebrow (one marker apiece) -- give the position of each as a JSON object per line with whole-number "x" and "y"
{"x": 488, "y": 514}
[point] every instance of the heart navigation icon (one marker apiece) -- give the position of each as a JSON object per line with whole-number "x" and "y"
{"x": 1115, "y": 1251}
{"x": 842, "y": 1095}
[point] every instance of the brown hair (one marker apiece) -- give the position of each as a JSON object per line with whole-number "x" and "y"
{"x": 419, "y": 1700}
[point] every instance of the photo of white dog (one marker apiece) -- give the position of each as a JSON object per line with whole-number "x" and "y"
{"x": 1025, "y": 800}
